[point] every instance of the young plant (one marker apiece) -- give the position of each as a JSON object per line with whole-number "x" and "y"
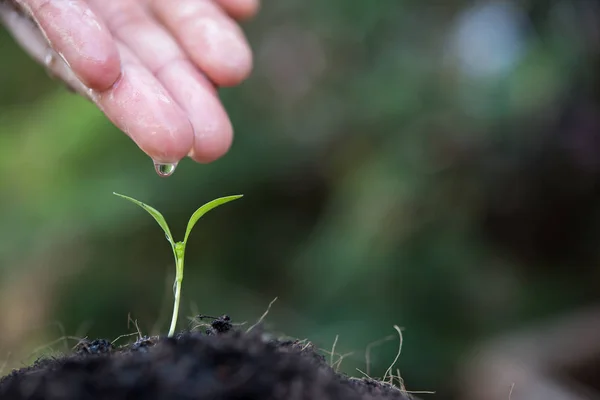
{"x": 179, "y": 247}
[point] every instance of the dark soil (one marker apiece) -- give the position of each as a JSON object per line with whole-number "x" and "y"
{"x": 585, "y": 377}
{"x": 221, "y": 363}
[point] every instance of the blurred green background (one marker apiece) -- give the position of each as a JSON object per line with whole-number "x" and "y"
{"x": 434, "y": 165}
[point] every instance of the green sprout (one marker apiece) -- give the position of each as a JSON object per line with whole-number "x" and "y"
{"x": 179, "y": 247}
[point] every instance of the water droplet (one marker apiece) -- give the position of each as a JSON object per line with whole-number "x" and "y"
{"x": 163, "y": 169}
{"x": 49, "y": 60}
{"x": 50, "y": 64}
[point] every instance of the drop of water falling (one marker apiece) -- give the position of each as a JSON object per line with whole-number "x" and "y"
{"x": 163, "y": 169}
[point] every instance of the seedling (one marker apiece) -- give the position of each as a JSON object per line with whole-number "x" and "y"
{"x": 179, "y": 247}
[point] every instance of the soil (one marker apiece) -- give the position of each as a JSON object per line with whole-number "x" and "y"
{"x": 221, "y": 363}
{"x": 585, "y": 377}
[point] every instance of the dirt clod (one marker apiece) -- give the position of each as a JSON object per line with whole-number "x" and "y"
{"x": 143, "y": 344}
{"x": 94, "y": 347}
{"x": 220, "y": 325}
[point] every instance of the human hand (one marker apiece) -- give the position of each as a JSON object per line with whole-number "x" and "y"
{"x": 152, "y": 66}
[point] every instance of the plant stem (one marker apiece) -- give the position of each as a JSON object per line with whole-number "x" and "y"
{"x": 178, "y": 280}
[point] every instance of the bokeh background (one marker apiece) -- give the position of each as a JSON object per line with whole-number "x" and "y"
{"x": 430, "y": 164}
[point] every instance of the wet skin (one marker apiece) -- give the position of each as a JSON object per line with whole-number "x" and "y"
{"x": 152, "y": 66}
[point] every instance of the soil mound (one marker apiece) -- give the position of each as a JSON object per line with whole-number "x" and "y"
{"x": 220, "y": 364}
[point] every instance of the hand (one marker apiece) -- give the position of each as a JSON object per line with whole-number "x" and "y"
{"x": 150, "y": 65}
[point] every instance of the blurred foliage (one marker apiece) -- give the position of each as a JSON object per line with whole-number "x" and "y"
{"x": 429, "y": 164}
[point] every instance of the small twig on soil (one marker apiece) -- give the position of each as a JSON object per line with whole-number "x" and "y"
{"x": 389, "y": 370}
{"x": 370, "y": 346}
{"x": 195, "y": 327}
{"x": 418, "y": 392}
{"x": 403, "y": 390}
{"x": 200, "y": 317}
{"x": 398, "y": 376}
{"x": 338, "y": 363}
{"x": 263, "y": 316}
{"x": 303, "y": 342}
{"x": 135, "y": 323}
{"x": 364, "y": 373}
{"x": 122, "y": 336}
{"x": 333, "y": 350}
{"x": 334, "y": 364}
{"x": 52, "y": 343}
{"x": 400, "y": 380}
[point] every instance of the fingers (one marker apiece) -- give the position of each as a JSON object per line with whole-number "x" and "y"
{"x": 145, "y": 77}
{"x": 80, "y": 37}
{"x": 213, "y": 41}
{"x": 140, "y": 106}
{"x": 213, "y": 132}
{"x": 155, "y": 48}
{"x": 240, "y": 9}
{"x": 28, "y": 35}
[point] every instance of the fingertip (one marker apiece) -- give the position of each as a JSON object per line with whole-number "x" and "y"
{"x": 163, "y": 143}
{"x": 211, "y": 146}
{"x": 240, "y": 9}
{"x": 213, "y": 40}
{"x": 166, "y": 145}
{"x": 230, "y": 69}
{"x": 221, "y": 51}
{"x": 213, "y": 131}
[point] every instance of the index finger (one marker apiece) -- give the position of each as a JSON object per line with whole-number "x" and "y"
{"x": 75, "y": 32}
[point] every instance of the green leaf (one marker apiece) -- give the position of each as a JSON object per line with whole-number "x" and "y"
{"x": 204, "y": 209}
{"x": 157, "y": 216}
